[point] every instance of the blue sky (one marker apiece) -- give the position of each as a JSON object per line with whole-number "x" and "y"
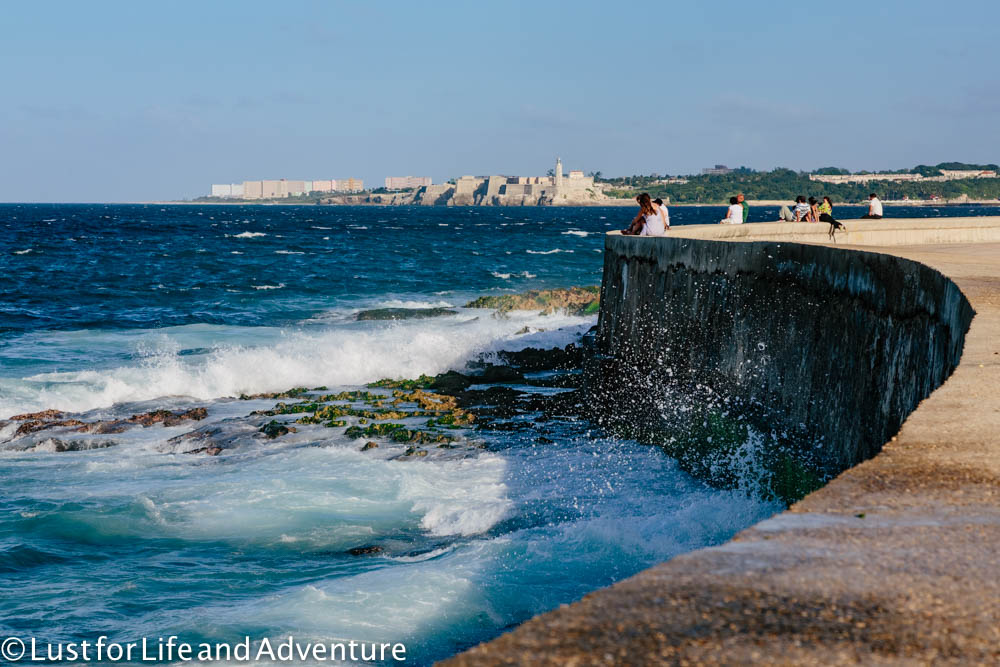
{"x": 131, "y": 101}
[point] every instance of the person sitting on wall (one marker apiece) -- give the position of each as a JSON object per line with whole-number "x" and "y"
{"x": 734, "y": 215}
{"x": 742, "y": 201}
{"x": 664, "y": 212}
{"x": 874, "y": 208}
{"x": 801, "y": 208}
{"x": 826, "y": 215}
{"x": 648, "y": 222}
{"x": 785, "y": 214}
{"x": 813, "y": 215}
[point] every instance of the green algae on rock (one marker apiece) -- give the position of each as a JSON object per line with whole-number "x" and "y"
{"x": 572, "y": 300}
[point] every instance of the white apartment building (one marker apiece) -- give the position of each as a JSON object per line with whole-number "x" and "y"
{"x": 404, "y": 182}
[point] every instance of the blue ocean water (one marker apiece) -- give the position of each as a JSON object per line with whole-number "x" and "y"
{"x": 111, "y": 310}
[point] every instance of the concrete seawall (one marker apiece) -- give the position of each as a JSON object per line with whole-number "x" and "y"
{"x": 894, "y": 560}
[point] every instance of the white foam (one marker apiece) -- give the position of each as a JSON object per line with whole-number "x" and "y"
{"x": 22, "y": 252}
{"x": 266, "y": 287}
{"x": 576, "y": 232}
{"x": 247, "y": 235}
{"x": 546, "y": 252}
{"x": 275, "y": 359}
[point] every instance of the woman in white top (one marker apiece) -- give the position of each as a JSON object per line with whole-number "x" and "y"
{"x": 735, "y": 214}
{"x": 649, "y": 222}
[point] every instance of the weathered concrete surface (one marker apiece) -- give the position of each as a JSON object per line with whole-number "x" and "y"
{"x": 830, "y": 348}
{"x": 893, "y": 562}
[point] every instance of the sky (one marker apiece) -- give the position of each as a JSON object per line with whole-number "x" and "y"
{"x": 142, "y": 101}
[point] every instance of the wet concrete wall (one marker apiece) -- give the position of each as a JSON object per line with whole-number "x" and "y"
{"x": 831, "y": 348}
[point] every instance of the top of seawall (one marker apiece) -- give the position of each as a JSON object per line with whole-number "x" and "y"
{"x": 892, "y": 562}
{"x": 885, "y": 232}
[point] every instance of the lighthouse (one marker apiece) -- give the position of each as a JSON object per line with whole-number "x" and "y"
{"x": 559, "y": 177}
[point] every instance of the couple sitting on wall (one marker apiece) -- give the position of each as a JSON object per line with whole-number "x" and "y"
{"x": 652, "y": 220}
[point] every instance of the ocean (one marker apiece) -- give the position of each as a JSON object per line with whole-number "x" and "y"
{"x": 109, "y": 311}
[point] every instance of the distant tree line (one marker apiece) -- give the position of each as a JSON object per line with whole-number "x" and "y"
{"x": 787, "y": 184}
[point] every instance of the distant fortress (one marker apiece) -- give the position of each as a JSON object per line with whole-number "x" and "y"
{"x": 573, "y": 189}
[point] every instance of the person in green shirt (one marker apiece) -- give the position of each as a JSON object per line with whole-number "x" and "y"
{"x": 746, "y": 207}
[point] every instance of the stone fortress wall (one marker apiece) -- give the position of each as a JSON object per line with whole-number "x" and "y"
{"x": 573, "y": 189}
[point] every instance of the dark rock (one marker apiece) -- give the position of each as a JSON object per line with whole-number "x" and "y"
{"x": 500, "y": 375}
{"x": 44, "y": 415}
{"x": 56, "y": 445}
{"x": 367, "y": 550}
{"x": 105, "y": 427}
{"x": 451, "y": 382}
{"x": 535, "y": 359}
{"x": 33, "y": 425}
{"x": 274, "y": 429}
{"x": 561, "y": 381}
{"x": 369, "y": 445}
{"x": 209, "y": 451}
{"x": 403, "y": 313}
{"x": 168, "y": 418}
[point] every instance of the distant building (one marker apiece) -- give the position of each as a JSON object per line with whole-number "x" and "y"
{"x": 955, "y": 174}
{"x": 946, "y": 175}
{"x": 863, "y": 178}
{"x": 405, "y": 182}
{"x": 227, "y": 190}
{"x": 349, "y": 185}
{"x": 293, "y": 188}
{"x": 283, "y": 187}
{"x": 717, "y": 170}
{"x": 253, "y": 189}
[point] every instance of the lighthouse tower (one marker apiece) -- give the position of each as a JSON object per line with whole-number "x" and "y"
{"x": 559, "y": 175}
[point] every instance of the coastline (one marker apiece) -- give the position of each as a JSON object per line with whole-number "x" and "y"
{"x": 612, "y": 203}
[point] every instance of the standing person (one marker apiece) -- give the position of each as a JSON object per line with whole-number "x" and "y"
{"x": 741, "y": 200}
{"x": 664, "y": 212}
{"x": 801, "y": 208}
{"x": 734, "y": 215}
{"x": 874, "y": 208}
{"x": 648, "y": 222}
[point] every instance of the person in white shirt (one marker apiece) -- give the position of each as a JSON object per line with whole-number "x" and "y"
{"x": 874, "y": 208}
{"x": 649, "y": 221}
{"x": 735, "y": 214}
{"x": 801, "y": 209}
{"x": 664, "y": 212}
